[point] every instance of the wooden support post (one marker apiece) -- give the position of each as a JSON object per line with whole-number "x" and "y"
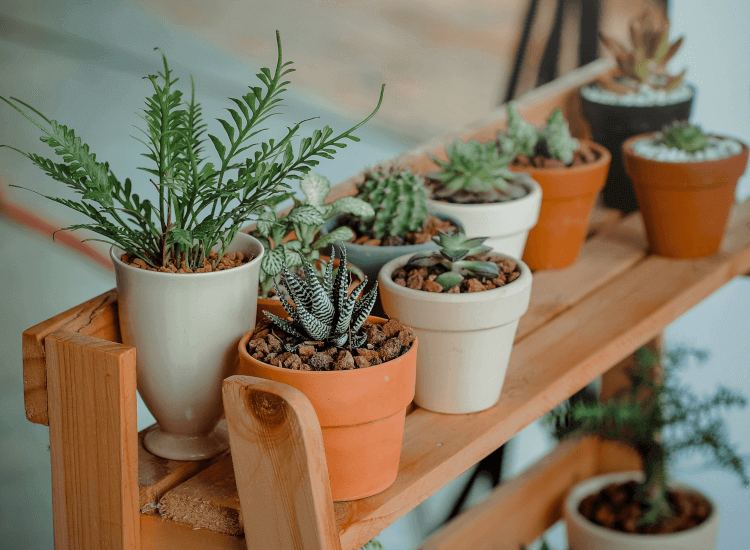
{"x": 280, "y": 466}
{"x": 93, "y": 442}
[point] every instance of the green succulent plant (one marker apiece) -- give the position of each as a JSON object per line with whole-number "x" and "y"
{"x": 374, "y": 544}
{"x": 685, "y": 136}
{"x": 658, "y": 418}
{"x": 322, "y": 311}
{"x": 197, "y": 205}
{"x": 452, "y": 254}
{"x": 305, "y": 219}
{"x": 552, "y": 140}
{"x": 399, "y": 198}
{"x": 473, "y": 167}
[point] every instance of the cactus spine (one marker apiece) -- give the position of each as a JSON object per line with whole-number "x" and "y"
{"x": 399, "y": 198}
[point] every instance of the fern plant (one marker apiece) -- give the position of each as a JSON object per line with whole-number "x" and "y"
{"x": 452, "y": 254}
{"x": 198, "y": 205}
{"x": 322, "y": 311}
{"x": 659, "y": 419}
{"x": 305, "y": 219}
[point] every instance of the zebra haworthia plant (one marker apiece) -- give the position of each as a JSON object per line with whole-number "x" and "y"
{"x": 452, "y": 254}
{"x": 322, "y": 311}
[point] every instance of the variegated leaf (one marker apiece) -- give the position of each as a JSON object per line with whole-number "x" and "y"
{"x": 306, "y": 214}
{"x": 354, "y": 206}
{"x": 315, "y": 187}
{"x": 340, "y": 234}
{"x": 322, "y": 307}
{"x": 272, "y": 262}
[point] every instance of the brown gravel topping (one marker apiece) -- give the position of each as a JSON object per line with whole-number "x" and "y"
{"x": 423, "y": 278}
{"x": 614, "y": 507}
{"x": 433, "y": 226}
{"x": 584, "y": 155}
{"x": 228, "y": 261}
{"x": 384, "y": 343}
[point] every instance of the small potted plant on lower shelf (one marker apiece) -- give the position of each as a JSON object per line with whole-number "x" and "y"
{"x": 641, "y": 96}
{"x": 685, "y": 182}
{"x": 399, "y": 224}
{"x": 659, "y": 419}
{"x": 187, "y": 278}
{"x": 476, "y": 188}
{"x": 296, "y": 237}
{"x": 464, "y": 302}
{"x": 571, "y": 173}
{"x": 357, "y": 371}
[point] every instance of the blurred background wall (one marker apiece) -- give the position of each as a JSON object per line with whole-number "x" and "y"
{"x": 445, "y": 64}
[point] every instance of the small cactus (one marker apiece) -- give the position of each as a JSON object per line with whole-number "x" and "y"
{"x": 399, "y": 198}
{"x": 552, "y": 141}
{"x": 685, "y": 136}
{"x": 556, "y": 134}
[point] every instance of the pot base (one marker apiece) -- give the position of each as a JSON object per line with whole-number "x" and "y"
{"x": 187, "y": 447}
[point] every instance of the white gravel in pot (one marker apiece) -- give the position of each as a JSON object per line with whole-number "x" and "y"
{"x": 718, "y": 148}
{"x": 646, "y": 96}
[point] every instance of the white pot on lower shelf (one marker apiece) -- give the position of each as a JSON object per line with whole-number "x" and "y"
{"x": 465, "y": 339}
{"x": 506, "y": 224}
{"x": 186, "y": 328}
{"x": 585, "y": 535}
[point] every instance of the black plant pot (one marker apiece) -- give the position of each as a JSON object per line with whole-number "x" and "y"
{"x": 611, "y": 125}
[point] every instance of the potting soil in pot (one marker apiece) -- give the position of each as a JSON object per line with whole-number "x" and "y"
{"x": 384, "y": 343}
{"x": 228, "y": 261}
{"x": 433, "y": 225}
{"x": 423, "y": 278}
{"x": 614, "y": 507}
{"x": 513, "y": 190}
{"x": 583, "y": 155}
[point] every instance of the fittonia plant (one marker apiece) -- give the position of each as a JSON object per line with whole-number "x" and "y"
{"x": 198, "y": 205}
{"x": 305, "y": 219}
{"x": 322, "y": 311}
{"x": 553, "y": 140}
{"x": 452, "y": 254}
{"x": 399, "y": 198}
{"x": 472, "y": 167}
{"x": 685, "y": 136}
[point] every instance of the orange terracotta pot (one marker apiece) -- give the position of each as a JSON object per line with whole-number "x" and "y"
{"x": 361, "y": 413}
{"x": 568, "y": 197}
{"x": 685, "y": 205}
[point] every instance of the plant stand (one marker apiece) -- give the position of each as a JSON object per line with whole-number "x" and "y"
{"x": 272, "y": 490}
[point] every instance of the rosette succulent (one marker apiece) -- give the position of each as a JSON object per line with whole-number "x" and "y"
{"x": 305, "y": 219}
{"x": 452, "y": 254}
{"x": 685, "y": 136}
{"x": 472, "y": 167}
{"x": 322, "y": 311}
{"x": 399, "y": 198}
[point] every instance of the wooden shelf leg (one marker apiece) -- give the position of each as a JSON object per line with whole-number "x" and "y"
{"x": 280, "y": 466}
{"x": 93, "y": 443}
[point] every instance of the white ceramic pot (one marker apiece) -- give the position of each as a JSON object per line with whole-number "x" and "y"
{"x": 465, "y": 339}
{"x": 186, "y": 328}
{"x": 585, "y": 535}
{"x": 506, "y": 224}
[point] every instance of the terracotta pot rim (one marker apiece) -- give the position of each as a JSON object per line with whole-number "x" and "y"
{"x": 619, "y": 536}
{"x": 498, "y": 293}
{"x": 627, "y": 149}
{"x": 148, "y": 273}
{"x": 605, "y": 157}
{"x": 353, "y": 372}
{"x": 615, "y": 105}
{"x": 513, "y": 203}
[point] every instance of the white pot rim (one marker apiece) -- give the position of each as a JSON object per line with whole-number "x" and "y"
{"x": 588, "y": 486}
{"x": 115, "y": 253}
{"x": 511, "y": 289}
{"x": 521, "y": 202}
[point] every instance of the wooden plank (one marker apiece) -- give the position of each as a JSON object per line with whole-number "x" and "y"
{"x": 280, "y": 466}
{"x": 96, "y": 317}
{"x": 158, "y": 475}
{"x": 520, "y": 510}
{"x": 614, "y": 456}
{"x": 160, "y": 534}
{"x": 93, "y": 443}
{"x": 617, "y": 378}
{"x": 602, "y": 218}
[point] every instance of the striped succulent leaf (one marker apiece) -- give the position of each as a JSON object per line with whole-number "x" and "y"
{"x": 323, "y": 311}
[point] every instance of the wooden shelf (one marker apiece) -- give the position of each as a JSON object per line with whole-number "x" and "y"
{"x": 581, "y": 321}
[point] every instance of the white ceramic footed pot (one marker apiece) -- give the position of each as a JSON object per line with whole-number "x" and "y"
{"x": 506, "y": 224}
{"x": 585, "y": 535}
{"x": 186, "y": 328}
{"x": 465, "y": 339}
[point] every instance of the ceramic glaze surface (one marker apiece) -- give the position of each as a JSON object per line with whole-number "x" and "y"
{"x": 465, "y": 339}
{"x": 506, "y": 224}
{"x": 584, "y": 535}
{"x": 185, "y": 328}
